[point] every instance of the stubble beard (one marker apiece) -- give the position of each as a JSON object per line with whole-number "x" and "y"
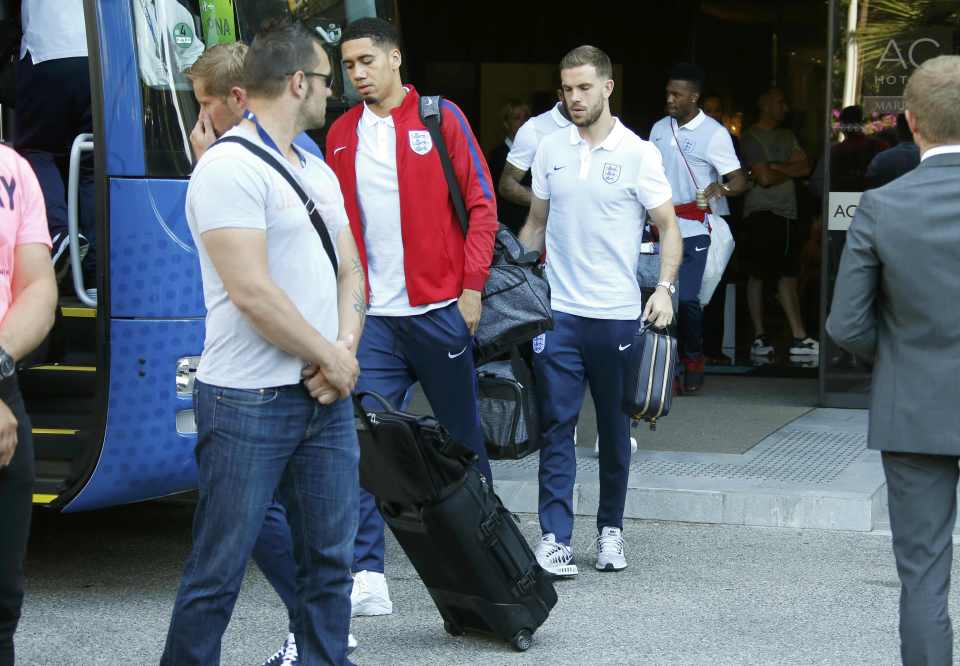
{"x": 592, "y": 116}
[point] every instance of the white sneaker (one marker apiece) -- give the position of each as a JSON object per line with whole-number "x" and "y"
{"x": 351, "y": 643}
{"x": 370, "y": 595}
{"x": 286, "y": 655}
{"x": 555, "y": 558}
{"x": 761, "y": 346}
{"x": 610, "y": 550}
{"x": 805, "y": 347}
{"x": 596, "y": 446}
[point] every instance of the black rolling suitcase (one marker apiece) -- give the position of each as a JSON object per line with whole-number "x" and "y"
{"x": 465, "y": 545}
{"x": 475, "y": 563}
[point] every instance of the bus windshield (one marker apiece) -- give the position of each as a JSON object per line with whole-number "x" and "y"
{"x": 172, "y": 34}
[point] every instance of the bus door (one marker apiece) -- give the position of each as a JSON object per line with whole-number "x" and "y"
{"x": 112, "y": 400}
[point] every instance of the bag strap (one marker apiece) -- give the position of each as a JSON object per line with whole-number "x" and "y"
{"x": 676, "y": 140}
{"x": 312, "y": 212}
{"x": 431, "y": 118}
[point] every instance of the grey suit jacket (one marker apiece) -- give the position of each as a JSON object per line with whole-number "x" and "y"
{"x": 897, "y": 302}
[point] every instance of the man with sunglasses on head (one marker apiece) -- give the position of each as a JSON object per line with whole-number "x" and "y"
{"x": 284, "y": 312}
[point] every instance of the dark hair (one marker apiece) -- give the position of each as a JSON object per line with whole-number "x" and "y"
{"x": 381, "y": 32}
{"x": 685, "y": 71}
{"x": 903, "y": 128}
{"x": 588, "y": 55}
{"x": 851, "y": 115}
{"x": 281, "y": 47}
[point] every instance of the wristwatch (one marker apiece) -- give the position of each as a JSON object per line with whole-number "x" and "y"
{"x": 669, "y": 286}
{"x": 7, "y": 367}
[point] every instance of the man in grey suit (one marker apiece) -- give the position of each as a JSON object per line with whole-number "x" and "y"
{"x": 897, "y": 303}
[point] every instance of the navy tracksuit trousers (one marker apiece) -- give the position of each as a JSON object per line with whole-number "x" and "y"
{"x": 577, "y": 352}
{"x": 690, "y": 313}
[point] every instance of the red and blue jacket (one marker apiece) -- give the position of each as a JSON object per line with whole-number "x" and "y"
{"x": 438, "y": 262}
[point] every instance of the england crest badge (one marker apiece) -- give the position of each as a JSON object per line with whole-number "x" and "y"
{"x": 420, "y": 142}
{"x": 611, "y": 172}
{"x": 539, "y": 343}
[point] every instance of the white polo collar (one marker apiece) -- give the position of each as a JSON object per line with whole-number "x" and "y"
{"x": 610, "y": 143}
{"x": 558, "y": 116}
{"x": 695, "y": 123}
{"x": 370, "y": 119}
{"x": 941, "y": 150}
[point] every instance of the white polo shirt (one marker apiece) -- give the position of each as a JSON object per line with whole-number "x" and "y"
{"x": 530, "y": 135}
{"x": 53, "y": 30}
{"x": 599, "y": 199}
{"x": 378, "y": 193}
{"x": 708, "y": 149}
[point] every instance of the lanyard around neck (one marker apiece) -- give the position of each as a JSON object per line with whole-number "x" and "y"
{"x": 268, "y": 140}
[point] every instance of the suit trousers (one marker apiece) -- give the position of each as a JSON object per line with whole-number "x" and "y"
{"x": 922, "y": 492}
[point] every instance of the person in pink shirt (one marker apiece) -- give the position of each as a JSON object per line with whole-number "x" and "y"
{"x": 28, "y": 299}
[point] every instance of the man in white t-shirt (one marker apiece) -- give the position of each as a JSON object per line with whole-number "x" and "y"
{"x": 514, "y": 183}
{"x": 284, "y": 314}
{"x": 52, "y": 108}
{"x": 593, "y": 186}
{"x": 697, "y": 155}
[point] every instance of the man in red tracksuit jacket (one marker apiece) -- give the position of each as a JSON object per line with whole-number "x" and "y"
{"x": 424, "y": 278}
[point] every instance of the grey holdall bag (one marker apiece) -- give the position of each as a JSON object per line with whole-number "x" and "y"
{"x": 516, "y": 296}
{"x": 648, "y": 376}
{"x": 509, "y": 415}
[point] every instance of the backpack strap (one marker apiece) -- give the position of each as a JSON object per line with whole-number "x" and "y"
{"x": 308, "y": 203}
{"x": 431, "y": 117}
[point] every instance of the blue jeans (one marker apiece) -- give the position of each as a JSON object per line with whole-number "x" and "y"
{"x": 578, "y": 351}
{"x": 690, "y": 314}
{"x": 251, "y": 446}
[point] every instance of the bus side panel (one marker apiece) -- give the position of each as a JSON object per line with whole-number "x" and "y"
{"x": 154, "y": 271}
{"x": 143, "y": 454}
{"x": 122, "y": 107}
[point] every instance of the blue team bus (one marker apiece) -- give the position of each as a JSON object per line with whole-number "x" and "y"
{"x": 110, "y": 398}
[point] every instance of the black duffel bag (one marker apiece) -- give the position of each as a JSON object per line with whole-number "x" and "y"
{"x": 516, "y": 296}
{"x": 509, "y": 414}
{"x": 516, "y": 299}
{"x": 406, "y": 459}
{"x": 648, "y": 375}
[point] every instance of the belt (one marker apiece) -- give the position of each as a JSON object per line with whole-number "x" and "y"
{"x": 691, "y": 211}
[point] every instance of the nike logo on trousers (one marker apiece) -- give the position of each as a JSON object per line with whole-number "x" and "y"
{"x": 622, "y": 347}
{"x": 459, "y": 353}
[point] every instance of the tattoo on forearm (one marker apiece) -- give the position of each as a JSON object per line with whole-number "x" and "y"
{"x": 360, "y": 293}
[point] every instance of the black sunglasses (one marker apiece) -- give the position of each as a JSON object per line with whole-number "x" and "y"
{"x": 327, "y": 78}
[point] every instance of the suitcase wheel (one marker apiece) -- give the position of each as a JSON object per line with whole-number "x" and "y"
{"x": 452, "y": 629}
{"x": 522, "y": 641}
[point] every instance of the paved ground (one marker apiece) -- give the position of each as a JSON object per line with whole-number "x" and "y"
{"x": 101, "y": 586}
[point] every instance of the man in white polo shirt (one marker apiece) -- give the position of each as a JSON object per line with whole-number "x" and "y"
{"x": 514, "y": 184}
{"x": 593, "y": 187}
{"x": 697, "y": 154}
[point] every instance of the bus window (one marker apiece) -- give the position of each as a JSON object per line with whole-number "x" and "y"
{"x": 172, "y": 34}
